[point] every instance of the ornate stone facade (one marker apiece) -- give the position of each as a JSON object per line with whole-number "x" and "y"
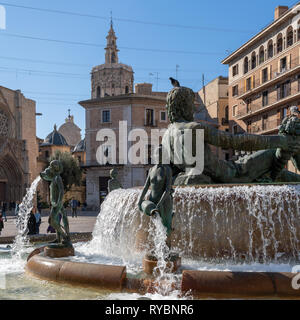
{"x": 111, "y": 78}
{"x": 18, "y": 145}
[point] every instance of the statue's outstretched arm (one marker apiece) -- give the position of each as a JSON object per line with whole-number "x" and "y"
{"x": 245, "y": 142}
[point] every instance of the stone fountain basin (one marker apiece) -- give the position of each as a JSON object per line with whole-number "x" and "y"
{"x": 198, "y": 283}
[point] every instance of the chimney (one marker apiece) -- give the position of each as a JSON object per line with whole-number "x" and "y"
{"x": 143, "y": 88}
{"x": 279, "y": 11}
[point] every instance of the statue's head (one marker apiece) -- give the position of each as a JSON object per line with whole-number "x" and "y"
{"x": 55, "y": 168}
{"x": 294, "y": 111}
{"x": 180, "y": 104}
{"x": 113, "y": 173}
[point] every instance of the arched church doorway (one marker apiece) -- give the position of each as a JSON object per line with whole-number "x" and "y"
{"x": 11, "y": 180}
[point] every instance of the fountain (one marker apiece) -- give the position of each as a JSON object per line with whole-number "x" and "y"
{"x": 236, "y": 235}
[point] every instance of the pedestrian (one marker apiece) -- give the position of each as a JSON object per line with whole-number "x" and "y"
{"x": 74, "y": 205}
{"x": 39, "y": 207}
{"x": 17, "y": 208}
{"x": 4, "y": 206}
{"x": 31, "y": 224}
{"x": 38, "y": 220}
{"x": 50, "y": 229}
{"x": 1, "y": 223}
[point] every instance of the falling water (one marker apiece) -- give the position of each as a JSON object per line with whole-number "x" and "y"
{"x": 21, "y": 239}
{"x": 257, "y": 223}
{"x": 166, "y": 282}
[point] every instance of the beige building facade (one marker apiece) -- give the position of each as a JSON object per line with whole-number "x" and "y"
{"x": 214, "y": 108}
{"x": 18, "y": 144}
{"x": 264, "y": 75}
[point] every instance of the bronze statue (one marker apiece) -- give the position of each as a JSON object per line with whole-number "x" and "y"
{"x": 52, "y": 173}
{"x": 180, "y": 107}
{"x": 161, "y": 200}
{"x": 113, "y": 183}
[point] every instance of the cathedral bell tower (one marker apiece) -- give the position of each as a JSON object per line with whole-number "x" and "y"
{"x": 111, "y": 78}
{"x": 111, "y": 55}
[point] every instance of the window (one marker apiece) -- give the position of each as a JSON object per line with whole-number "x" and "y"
{"x": 253, "y": 60}
{"x": 298, "y": 77}
{"x": 105, "y": 156}
{"x": 234, "y": 109}
{"x": 248, "y": 104}
{"x": 249, "y": 126}
{"x": 106, "y": 116}
{"x": 265, "y": 121}
{"x": 98, "y": 92}
{"x": 163, "y": 116}
{"x": 235, "y": 90}
{"x": 248, "y": 84}
{"x": 283, "y": 64}
{"x": 235, "y": 129}
{"x": 46, "y": 154}
{"x": 149, "y": 117}
{"x": 265, "y": 75}
{"x": 126, "y": 89}
{"x": 265, "y": 98}
{"x": 79, "y": 159}
{"x": 113, "y": 58}
{"x": 283, "y": 90}
{"x": 261, "y": 55}
{"x": 289, "y": 37}
{"x": 112, "y": 85}
{"x": 246, "y": 65}
{"x": 270, "y": 49}
{"x": 279, "y": 43}
{"x": 227, "y": 113}
{"x": 235, "y": 70}
{"x": 284, "y": 112}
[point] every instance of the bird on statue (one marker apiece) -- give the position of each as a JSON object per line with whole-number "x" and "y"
{"x": 174, "y": 82}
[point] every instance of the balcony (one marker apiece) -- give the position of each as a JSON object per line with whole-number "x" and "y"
{"x": 253, "y": 109}
{"x": 276, "y": 75}
{"x": 265, "y": 127}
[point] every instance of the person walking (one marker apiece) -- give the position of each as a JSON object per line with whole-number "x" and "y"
{"x": 38, "y": 221}
{"x": 31, "y": 223}
{"x": 74, "y": 205}
{"x": 4, "y": 206}
{"x": 17, "y": 208}
{"x": 1, "y": 223}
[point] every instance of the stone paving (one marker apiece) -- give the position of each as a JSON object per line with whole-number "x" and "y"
{"x": 84, "y": 222}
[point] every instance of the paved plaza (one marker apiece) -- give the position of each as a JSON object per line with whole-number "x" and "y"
{"x": 83, "y": 223}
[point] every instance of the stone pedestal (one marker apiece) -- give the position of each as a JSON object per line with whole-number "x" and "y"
{"x": 59, "y": 252}
{"x": 173, "y": 263}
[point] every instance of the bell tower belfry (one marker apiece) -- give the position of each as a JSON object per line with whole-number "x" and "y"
{"x": 111, "y": 78}
{"x": 111, "y": 55}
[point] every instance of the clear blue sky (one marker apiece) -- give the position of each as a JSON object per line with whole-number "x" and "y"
{"x": 57, "y": 75}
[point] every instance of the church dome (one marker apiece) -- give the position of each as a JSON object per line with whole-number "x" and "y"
{"x": 55, "y": 138}
{"x": 80, "y": 147}
{"x": 70, "y": 131}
